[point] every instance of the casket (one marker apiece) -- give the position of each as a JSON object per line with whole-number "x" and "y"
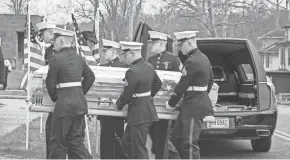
{"x": 108, "y": 84}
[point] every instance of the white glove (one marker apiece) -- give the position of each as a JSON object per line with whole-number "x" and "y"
{"x": 114, "y": 101}
{"x": 168, "y": 107}
{"x": 209, "y": 119}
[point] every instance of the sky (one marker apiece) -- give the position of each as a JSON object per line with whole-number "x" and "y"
{"x": 40, "y": 8}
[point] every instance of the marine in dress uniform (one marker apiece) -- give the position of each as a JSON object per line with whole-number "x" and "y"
{"x": 162, "y": 60}
{"x": 141, "y": 85}
{"x": 112, "y": 128}
{"x": 194, "y": 85}
{"x": 67, "y": 89}
{"x": 46, "y": 34}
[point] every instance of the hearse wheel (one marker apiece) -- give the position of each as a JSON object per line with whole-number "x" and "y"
{"x": 262, "y": 145}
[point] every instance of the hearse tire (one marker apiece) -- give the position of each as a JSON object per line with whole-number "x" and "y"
{"x": 262, "y": 145}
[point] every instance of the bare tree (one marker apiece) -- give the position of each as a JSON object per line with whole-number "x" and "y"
{"x": 16, "y": 6}
{"x": 216, "y": 16}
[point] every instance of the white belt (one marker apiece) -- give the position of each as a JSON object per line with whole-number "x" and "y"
{"x": 142, "y": 94}
{"x": 196, "y": 88}
{"x": 69, "y": 84}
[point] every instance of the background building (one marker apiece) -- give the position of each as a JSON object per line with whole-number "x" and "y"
{"x": 12, "y": 29}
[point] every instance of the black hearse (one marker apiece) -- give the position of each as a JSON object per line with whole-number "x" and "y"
{"x": 246, "y": 107}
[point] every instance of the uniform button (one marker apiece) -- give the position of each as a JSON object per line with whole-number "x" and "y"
{"x": 158, "y": 57}
{"x": 157, "y": 66}
{"x": 158, "y": 62}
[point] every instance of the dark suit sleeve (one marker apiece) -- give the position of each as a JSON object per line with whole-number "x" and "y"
{"x": 89, "y": 78}
{"x": 183, "y": 83}
{"x": 128, "y": 91}
{"x": 211, "y": 80}
{"x": 51, "y": 79}
{"x": 156, "y": 85}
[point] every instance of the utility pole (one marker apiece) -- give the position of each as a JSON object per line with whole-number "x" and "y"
{"x": 131, "y": 27}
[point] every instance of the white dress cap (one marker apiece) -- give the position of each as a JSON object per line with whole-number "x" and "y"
{"x": 125, "y": 45}
{"x": 158, "y": 35}
{"x": 108, "y": 43}
{"x": 185, "y": 35}
{"x": 62, "y": 32}
{"x": 45, "y": 25}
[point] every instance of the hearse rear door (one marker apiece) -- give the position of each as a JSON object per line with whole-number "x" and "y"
{"x": 265, "y": 95}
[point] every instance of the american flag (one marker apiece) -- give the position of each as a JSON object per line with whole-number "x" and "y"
{"x": 36, "y": 54}
{"x": 83, "y": 47}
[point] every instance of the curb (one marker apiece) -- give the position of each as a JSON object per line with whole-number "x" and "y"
{"x": 13, "y": 92}
{"x": 12, "y": 97}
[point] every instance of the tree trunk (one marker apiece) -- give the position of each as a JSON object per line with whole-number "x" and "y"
{"x": 225, "y": 20}
{"x": 213, "y": 32}
{"x": 202, "y": 17}
{"x": 131, "y": 21}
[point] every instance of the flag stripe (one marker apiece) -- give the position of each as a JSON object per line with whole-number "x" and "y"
{"x": 34, "y": 45}
{"x": 23, "y": 83}
{"x": 33, "y": 50}
{"x": 33, "y": 55}
{"x": 35, "y": 61}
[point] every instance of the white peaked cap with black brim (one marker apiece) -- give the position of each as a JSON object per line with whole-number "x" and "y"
{"x": 126, "y": 46}
{"x": 110, "y": 44}
{"x": 62, "y": 32}
{"x": 185, "y": 35}
{"x": 42, "y": 26}
{"x": 154, "y": 35}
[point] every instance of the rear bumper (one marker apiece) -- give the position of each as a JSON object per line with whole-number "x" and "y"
{"x": 244, "y": 126}
{"x": 252, "y": 132}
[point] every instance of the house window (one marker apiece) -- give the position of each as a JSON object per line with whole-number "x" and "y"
{"x": 262, "y": 57}
{"x": 288, "y": 57}
{"x": 267, "y": 60}
{"x": 282, "y": 59}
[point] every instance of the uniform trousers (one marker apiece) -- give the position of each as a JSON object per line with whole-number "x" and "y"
{"x": 112, "y": 130}
{"x": 134, "y": 140}
{"x": 161, "y": 145}
{"x": 47, "y": 132}
{"x": 67, "y": 138}
{"x": 185, "y": 136}
{"x": 5, "y": 81}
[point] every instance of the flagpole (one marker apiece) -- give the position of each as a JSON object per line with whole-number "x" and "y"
{"x": 97, "y": 34}
{"x": 43, "y": 54}
{"x": 28, "y": 74}
{"x": 97, "y": 31}
{"x": 76, "y": 38}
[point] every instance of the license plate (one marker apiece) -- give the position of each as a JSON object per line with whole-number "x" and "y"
{"x": 219, "y": 123}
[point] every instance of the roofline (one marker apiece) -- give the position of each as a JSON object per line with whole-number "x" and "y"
{"x": 221, "y": 38}
{"x": 272, "y": 52}
{"x": 270, "y": 38}
{"x": 271, "y": 46}
{"x": 20, "y": 15}
{"x": 271, "y": 32}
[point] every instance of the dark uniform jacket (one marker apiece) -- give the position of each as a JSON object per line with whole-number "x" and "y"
{"x": 114, "y": 63}
{"x": 140, "y": 78}
{"x": 48, "y": 53}
{"x": 164, "y": 61}
{"x": 68, "y": 66}
{"x": 197, "y": 71}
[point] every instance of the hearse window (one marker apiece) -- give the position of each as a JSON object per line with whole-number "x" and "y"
{"x": 248, "y": 71}
{"x": 219, "y": 74}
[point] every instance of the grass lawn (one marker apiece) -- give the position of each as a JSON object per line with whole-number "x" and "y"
{"x": 12, "y": 145}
